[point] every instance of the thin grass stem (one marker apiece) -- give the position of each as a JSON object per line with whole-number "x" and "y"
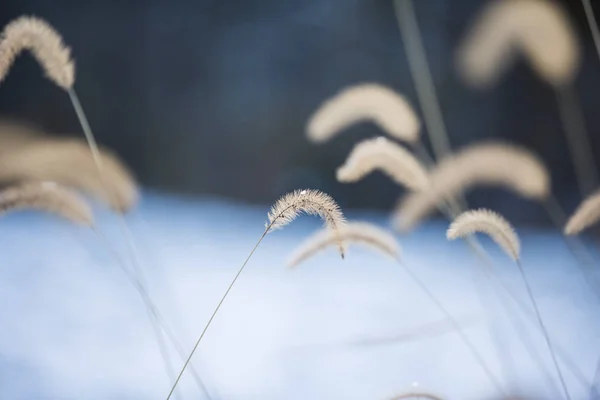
{"x": 573, "y": 122}
{"x": 464, "y": 338}
{"x": 155, "y": 318}
{"x": 589, "y": 14}
{"x": 585, "y": 261}
{"x": 237, "y": 275}
{"x": 421, "y": 74}
{"x": 544, "y": 330}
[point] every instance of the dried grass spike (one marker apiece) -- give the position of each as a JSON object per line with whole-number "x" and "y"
{"x": 70, "y": 163}
{"x": 586, "y": 215}
{"x": 488, "y": 164}
{"x": 387, "y": 156}
{"x": 312, "y": 202}
{"x": 372, "y": 102}
{"x": 539, "y": 29}
{"x": 416, "y": 395}
{"x": 46, "y": 45}
{"x": 49, "y": 197}
{"x": 361, "y": 233}
{"x": 489, "y": 222}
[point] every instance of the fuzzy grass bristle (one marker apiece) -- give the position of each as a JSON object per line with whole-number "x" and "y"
{"x": 70, "y": 163}
{"x": 360, "y": 233}
{"x": 490, "y": 223}
{"x": 392, "y": 159}
{"x": 586, "y": 215}
{"x": 416, "y": 395}
{"x": 46, "y": 45}
{"x": 365, "y": 102}
{"x": 49, "y": 197}
{"x": 312, "y": 202}
{"x": 487, "y": 164}
{"x": 539, "y": 29}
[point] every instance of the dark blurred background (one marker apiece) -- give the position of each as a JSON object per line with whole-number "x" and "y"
{"x": 212, "y": 97}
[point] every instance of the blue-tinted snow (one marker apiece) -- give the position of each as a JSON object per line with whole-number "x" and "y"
{"x": 73, "y": 327}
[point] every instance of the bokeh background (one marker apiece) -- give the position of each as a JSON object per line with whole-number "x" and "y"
{"x": 212, "y": 97}
{"x": 207, "y": 102}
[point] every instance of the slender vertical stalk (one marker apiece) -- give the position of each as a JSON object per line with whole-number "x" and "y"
{"x": 131, "y": 247}
{"x": 585, "y": 261}
{"x": 235, "y": 278}
{"x": 429, "y": 102}
{"x": 464, "y": 338}
{"x": 156, "y": 319}
{"x": 574, "y": 367}
{"x": 421, "y": 74}
{"x": 529, "y": 344}
{"x": 573, "y": 123}
{"x": 544, "y": 330}
{"x": 596, "y": 384}
{"x": 589, "y": 14}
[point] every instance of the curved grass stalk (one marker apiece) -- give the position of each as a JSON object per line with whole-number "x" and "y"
{"x": 463, "y": 337}
{"x": 235, "y": 278}
{"x": 284, "y": 211}
{"x": 544, "y": 330}
{"x": 156, "y": 319}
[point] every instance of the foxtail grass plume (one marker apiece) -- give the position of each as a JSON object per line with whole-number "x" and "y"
{"x": 488, "y": 164}
{"x": 537, "y": 28}
{"x": 46, "y": 45}
{"x": 365, "y": 102}
{"x": 284, "y": 211}
{"x": 360, "y": 233}
{"x": 49, "y": 197}
{"x": 387, "y": 156}
{"x": 70, "y": 163}
{"x": 586, "y": 215}
{"x": 14, "y": 134}
{"x": 312, "y": 202}
{"x": 490, "y": 223}
{"x": 416, "y": 395}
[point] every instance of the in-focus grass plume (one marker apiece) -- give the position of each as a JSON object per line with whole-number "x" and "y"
{"x": 308, "y": 201}
{"x": 283, "y": 212}
{"x": 390, "y": 158}
{"x": 46, "y": 45}
{"x": 487, "y": 164}
{"x": 49, "y": 197}
{"x": 365, "y": 102}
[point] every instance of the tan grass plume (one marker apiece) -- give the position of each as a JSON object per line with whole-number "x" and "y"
{"x": 46, "y": 45}
{"x": 488, "y": 164}
{"x": 312, "y": 202}
{"x": 70, "y": 163}
{"x": 586, "y": 215}
{"x": 360, "y": 233}
{"x": 539, "y": 29}
{"x": 490, "y": 223}
{"x": 284, "y": 211}
{"x": 387, "y": 156}
{"x": 46, "y": 196}
{"x": 365, "y": 102}
{"x": 416, "y": 395}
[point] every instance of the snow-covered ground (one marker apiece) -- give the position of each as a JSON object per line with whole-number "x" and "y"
{"x": 73, "y": 327}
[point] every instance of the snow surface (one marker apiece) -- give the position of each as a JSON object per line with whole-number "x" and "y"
{"x": 73, "y": 327}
